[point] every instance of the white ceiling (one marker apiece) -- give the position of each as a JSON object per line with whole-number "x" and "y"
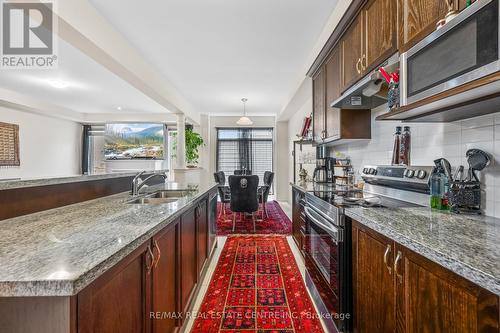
{"x": 216, "y": 52}
{"x": 91, "y": 87}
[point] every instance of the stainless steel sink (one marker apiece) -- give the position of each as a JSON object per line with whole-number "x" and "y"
{"x": 152, "y": 201}
{"x": 170, "y": 194}
{"x": 160, "y": 197}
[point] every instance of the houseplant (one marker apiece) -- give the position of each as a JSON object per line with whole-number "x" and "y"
{"x": 193, "y": 142}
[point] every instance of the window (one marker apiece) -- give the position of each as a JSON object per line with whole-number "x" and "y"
{"x": 245, "y": 148}
{"x": 133, "y": 141}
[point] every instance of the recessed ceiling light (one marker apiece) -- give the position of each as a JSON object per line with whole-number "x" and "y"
{"x": 59, "y": 84}
{"x": 119, "y": 108}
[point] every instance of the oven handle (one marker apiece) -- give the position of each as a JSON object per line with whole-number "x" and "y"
{"x": 333, "y": 231}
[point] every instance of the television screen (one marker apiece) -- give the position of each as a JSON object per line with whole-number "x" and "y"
{"x": 134, "y": 141}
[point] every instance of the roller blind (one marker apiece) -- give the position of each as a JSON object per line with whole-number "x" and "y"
{"x": 245, "y": 148}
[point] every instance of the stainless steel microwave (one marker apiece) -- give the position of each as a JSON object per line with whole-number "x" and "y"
{"x": 463, "y": 50}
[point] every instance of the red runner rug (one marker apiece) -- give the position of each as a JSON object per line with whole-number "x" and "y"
{"x": 257, "y": 287}
{"x": 277, "y": 223}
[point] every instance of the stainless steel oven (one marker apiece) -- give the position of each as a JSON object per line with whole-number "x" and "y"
{"x": 463, "y": 50}
{"x": 326, "y": 254}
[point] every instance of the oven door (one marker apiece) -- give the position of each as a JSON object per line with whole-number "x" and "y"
{"x": 463, "y": 50}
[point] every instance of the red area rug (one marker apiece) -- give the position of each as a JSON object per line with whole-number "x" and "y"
{"x": 257, "y": 287}
{"x": 277, "y": 223}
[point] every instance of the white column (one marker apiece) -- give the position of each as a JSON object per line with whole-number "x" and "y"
{"x": 181, "y": 142}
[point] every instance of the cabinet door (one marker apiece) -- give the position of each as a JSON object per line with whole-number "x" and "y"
{"x": 373, "y": 283}
{"x": 432, "y": 299}
{"x": 351, "y": 53}
{"x": 297, "y": 220}
{"x": 333, "y": 91}
{"x": 118, "y": 301}
{"x": 380, "y": 32}
{"x": 202, "y": 234}
{"x": 189, "y": 270}
{"x": 212, "y": 221}
{"x": 319, "y": 106}
{"x": 165, "y": 291}
{"x": 417, "y": 19}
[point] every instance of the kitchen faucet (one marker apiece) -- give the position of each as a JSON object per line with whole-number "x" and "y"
{"x": 138, "y": 183}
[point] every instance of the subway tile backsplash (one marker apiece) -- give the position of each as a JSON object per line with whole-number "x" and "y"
{"x": 434, "y": 140}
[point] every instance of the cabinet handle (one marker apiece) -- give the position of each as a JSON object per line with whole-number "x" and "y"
{"x": 396, "y": 265}
{"x": 149, "y": 265}
{"x": 363, "y": 62}
{"x": 386, "y": 255}
{"x": 357, "y": 66}
{"x": 159, "y": 253}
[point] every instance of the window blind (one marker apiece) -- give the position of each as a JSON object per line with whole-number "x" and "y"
{"x": 245, "y": 148}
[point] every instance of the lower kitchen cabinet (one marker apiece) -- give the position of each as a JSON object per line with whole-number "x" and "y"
{"x": 165, "y": 294}
{"x": 298, "y": 222}
{"x": 202, "y": 235}
{"x": 397, "y": 290}
{"x": 152, "y": 288}
{"x": 189, "y": 263}
{"x": 373, "y": 287}
{"x": 117, "y": 301}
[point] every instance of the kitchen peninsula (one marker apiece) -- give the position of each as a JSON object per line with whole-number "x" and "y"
{"x": 77, "y": 263}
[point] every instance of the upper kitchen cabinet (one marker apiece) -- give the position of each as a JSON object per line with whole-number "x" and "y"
{"x": 380, "y": 31}
{"x": 352, "y": 51}
{"x": 417, "y": 19}
{"x": 319, "y": 104}
{"x": 333, "y": 91}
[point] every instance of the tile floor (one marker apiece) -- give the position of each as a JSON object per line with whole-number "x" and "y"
{"x": 221, "y": 241}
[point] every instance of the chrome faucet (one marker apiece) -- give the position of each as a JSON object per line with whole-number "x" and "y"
{"x": 138, "y": 183}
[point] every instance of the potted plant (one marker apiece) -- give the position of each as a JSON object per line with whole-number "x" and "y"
{"x": 193, "y": 142}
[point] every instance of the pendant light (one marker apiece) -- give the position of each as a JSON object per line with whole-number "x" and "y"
{"x": 244, "y": 121}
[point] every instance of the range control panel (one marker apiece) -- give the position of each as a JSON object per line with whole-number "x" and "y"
{"x": 389, "y": 175}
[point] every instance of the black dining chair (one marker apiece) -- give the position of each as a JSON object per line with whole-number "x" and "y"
{"x": 224, "y": 193}
{"x": 264, "y": 193}
{"x": 242, "y": 172}
{"x": 244, "y": 198}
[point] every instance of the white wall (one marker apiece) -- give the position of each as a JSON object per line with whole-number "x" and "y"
{"x": 49, "y": 147}
{"x": 281, "y": 178}
{"x": 432, "y": 141}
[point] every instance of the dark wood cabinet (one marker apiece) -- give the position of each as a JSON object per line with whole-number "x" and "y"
{"x": 298, "y": 222}
{"x": 417, "y": 19}
{"x": 165, "y": 296}
{"x": 432, "y": 299}
{"x": 188, "y": 258}
{"x": 118, "y": 300}
{"x": 202, "y": 235}
{"x": 373, "y": 283}
{"x": 380, "y": 31}
{"x": 352, "y": 50}
{"x": 333, "y": 69}
{"x": 319, "y": 103}
{"x": 397, "y": 290}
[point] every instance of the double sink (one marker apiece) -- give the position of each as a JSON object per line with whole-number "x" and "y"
{"x": 160, "y": 197}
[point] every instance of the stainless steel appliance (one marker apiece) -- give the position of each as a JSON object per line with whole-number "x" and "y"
{"x": 327, "y": 245}
{"x": 324, "y": 171}
{"x": 463, "y": 50}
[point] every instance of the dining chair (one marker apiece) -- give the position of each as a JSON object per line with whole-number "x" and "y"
{"x": 264, "y": 194}
{"x": 224, "y": 193}
{"x": 242, "y": 172}
{"x": 244, "y": 198}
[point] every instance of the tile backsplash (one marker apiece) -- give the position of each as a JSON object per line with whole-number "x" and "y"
{"x": 430, "y": 141}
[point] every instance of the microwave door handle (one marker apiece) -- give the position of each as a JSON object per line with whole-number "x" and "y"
{"x": 334, "y": 232}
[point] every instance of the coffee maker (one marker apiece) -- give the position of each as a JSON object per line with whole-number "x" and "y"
{"x": 324, "y": 171}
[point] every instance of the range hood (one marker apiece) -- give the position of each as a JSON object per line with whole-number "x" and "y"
{"x": 370, "y": 92}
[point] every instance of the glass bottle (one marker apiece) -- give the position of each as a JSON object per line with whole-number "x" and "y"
{"x": 397, "y": 142}
{"x": 405, "y": 146}
{"x": 439, "y": 189}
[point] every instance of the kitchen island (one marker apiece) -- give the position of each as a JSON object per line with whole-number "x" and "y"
{"x": 83, "y": 266}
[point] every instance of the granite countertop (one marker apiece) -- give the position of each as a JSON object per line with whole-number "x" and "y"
{"x": 466, "y": 245}
{"x": 60, "y": 251}
{"x": 23, "y": 183}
